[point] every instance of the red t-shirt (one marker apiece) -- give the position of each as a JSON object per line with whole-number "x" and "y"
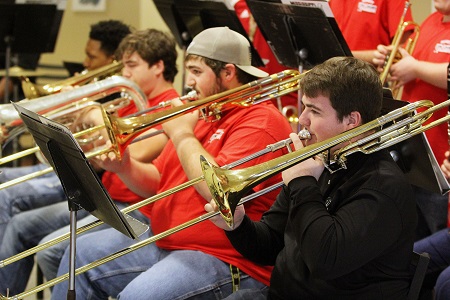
{"x": 113, "y": 184}
{"x": 433, "y": 45}
{"x": 367, "y": 24}
{"x": 239, "y": 133}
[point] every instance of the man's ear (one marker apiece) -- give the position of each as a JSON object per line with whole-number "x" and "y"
{"x": 111, "y": 59}
{"x": 228, "y": 72}
{"x": 353, "y": 119}
{"x": 159, "y": 66}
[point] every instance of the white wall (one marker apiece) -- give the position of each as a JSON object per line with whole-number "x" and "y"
{"x": 75, "y": 28}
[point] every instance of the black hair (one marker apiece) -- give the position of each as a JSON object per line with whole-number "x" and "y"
{"x": 350, "y": 84}
{"x": 110, "y": 33}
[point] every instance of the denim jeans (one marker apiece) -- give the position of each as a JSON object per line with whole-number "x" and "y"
{"x": 23, "y": 232}
{"x": 438, "y": 246}
{"x": 433, "y": 210}
{"x": 49, "y": 258}
{"x": 146, "y": 273}
{"x": 27, "y": 229}
{"x": 34, "y": 193}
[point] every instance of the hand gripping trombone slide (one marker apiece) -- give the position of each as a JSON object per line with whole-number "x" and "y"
{"x": 228, "y": 186}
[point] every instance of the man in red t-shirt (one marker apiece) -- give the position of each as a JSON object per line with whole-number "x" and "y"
{"x": 196, "y": 261}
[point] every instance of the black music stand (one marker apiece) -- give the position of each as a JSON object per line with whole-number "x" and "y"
{"x": 300, "y": 36}
{"x": 80, "y": 182}
{"x": 173, "y": 20}
{"x": 414, "y": 155}
{"x": 194, "y": 16}
{"x": 27, "y": 28}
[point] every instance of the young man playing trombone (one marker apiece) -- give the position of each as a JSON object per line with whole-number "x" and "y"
{"x": 194, "y": 262}
{"x": 346, "y": 234}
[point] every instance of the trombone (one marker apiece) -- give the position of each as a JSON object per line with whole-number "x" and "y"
{"x": 228, "y": 186}
{"x": 122, "y": 130}
{"x": 394, "y": 55}
{"x": 32, "y": 90}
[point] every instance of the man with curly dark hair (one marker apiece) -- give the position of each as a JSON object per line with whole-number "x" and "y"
{"x": 104, "y": 38}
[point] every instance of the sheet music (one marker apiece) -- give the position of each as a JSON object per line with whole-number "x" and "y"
{"x": 323, "y": 5}
{"x": 228, "y": 3}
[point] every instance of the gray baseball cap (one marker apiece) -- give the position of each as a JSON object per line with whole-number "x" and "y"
{"x": 226, "y": 45}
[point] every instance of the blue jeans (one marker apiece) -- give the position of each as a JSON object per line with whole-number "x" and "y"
{"x": 438, "y": 246}
{"x": 433, "y": 209}
{"x": 49, "y": 258}
{"x": 147, "y": 273}
{"x": 34, "y": 193}
{"x": 23, "y": 232}
{"x": 27, "y": 229}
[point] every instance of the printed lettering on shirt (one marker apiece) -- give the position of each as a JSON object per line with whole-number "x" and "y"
{"x": 244, "y": 14}
{"x": 367, "y": 6}
{"x": 216, "y": 136}
{"x": 443, "y": 47}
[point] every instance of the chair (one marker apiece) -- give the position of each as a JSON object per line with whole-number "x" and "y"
{"x": 419, "y": 263}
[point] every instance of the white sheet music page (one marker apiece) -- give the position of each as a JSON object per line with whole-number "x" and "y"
{"x": 323, "y": 5}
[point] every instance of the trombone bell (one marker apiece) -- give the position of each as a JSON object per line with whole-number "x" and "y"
{"x": 216, "y": 184}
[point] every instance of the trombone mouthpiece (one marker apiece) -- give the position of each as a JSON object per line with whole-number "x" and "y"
{"x": 304, "y": 134}
{"x": 191, "y": 96}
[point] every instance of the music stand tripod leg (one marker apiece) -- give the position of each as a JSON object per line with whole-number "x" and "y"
{"x": 72, "y": 248}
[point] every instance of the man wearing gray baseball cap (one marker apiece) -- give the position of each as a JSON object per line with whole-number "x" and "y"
{"x": 226, "y": 45}
{"x": 197, "y": 262}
